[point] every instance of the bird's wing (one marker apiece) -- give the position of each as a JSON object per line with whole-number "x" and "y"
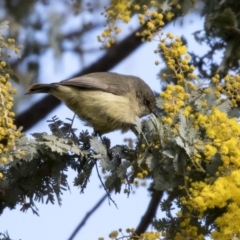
{"x": 100, "y": 81}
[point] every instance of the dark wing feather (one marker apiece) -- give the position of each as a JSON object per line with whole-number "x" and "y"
{"x": 100, "y": 81}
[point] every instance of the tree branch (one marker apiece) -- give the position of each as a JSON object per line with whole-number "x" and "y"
{"x": 150, "y": 212}
{"x": 87, "y": 216}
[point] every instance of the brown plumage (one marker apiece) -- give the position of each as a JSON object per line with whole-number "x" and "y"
{"x": 105, "y": 101}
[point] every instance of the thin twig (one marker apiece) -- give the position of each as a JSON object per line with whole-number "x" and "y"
{"x": 106, "y": 190}
{"x": 87, "y": 216}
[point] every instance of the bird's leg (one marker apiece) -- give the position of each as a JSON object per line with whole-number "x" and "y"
{"x": 97, "y": 134}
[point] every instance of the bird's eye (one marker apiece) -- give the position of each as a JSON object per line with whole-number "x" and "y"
{"x": 146, "y": 102}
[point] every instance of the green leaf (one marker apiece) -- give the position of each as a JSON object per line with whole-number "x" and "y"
{"x": 143, "y": 158}
{"x": 60, "y": 145}
{"x": 224, "y": 106}
{"x": 122, "y": 169}
{"x": 138, "y": 125}
{"x": 104, "y": 163}
{"x": 169, "y": 153}
{"x": 182, "y": 125}
{"x": 175, "y": 162}
{"x": 113, "y": 182}
{"x": 156, "y": 123}
{"x": 159, "y": 102}
{"x": 192, "y": 135}
{"x": 180, "y": 142}
{"x": 98, "y": 147}
{"x": 160, "y": 182}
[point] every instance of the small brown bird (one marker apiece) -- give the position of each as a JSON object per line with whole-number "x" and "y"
{"x": 105, "y": 101}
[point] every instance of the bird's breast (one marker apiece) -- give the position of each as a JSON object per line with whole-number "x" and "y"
{"x": 104, "y": 111}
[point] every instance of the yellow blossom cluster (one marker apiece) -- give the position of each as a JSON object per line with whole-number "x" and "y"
{"x": 141, "y": 171}
{"x": 188, "y": 231}
{"x": 9, "y": 45}
{"x": 230, "y": 86}
{"x": 113, "y": 234}
{"x": 155, "y": 16}
{"x": 153, "y": 21}
{"x": 220, "y": 136}
{"x": 224, "y": 134}
{"x": 119, "y": 10}
{"x": 218, "y": 194}
{"x": 174, "y": 98}
{"x": 228, "y": 223}
{"x": 149, "y": 235}
{"x": 123, "y": 10}
{"x": 167, "y": 8}
{"x": 224, "y": 192}
{"x": 176, "y": 58}
{"x": 8, "y": 131}
{"x": 142, "y": 174}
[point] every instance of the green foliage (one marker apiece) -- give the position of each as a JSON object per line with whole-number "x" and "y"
{"x": 221, "y": 34}
{"x": 4, "y": 236}
{"x": 40, "y": 174}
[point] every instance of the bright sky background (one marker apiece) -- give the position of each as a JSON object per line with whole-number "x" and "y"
{"x": 58, "y": 222}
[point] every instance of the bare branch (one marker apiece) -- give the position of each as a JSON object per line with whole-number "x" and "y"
{"x": 150, "y": 213}
{"x": 87, "y": 216}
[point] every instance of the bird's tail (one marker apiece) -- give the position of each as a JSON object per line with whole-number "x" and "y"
{"x": 39, "y": 88}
